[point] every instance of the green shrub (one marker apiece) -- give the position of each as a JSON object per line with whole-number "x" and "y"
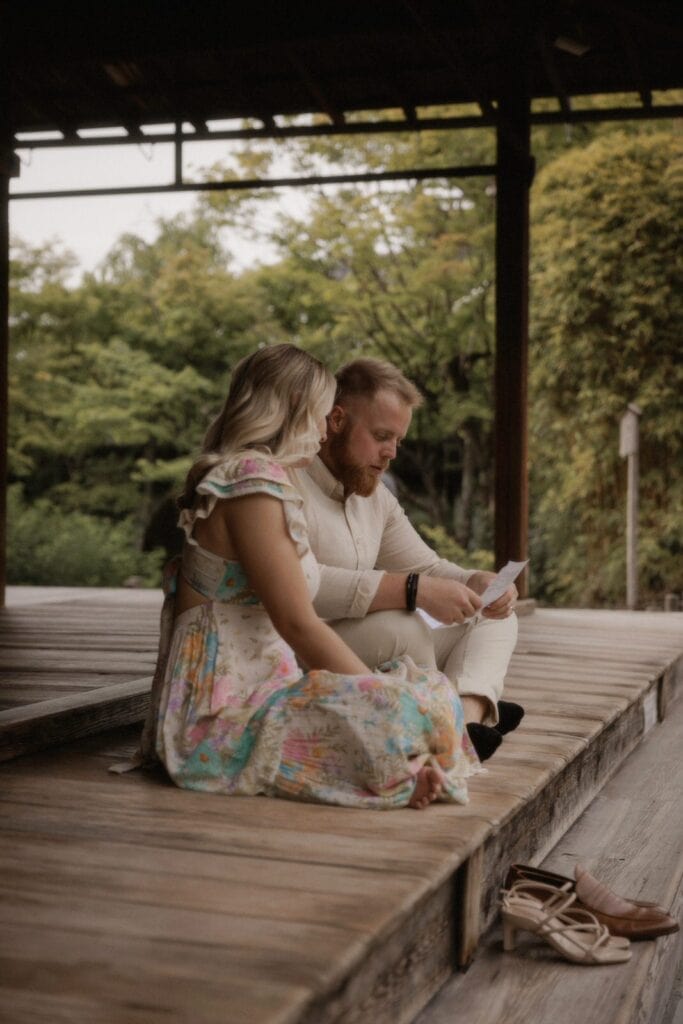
{"x": 50, "y": 547}
{"x": 447, "y": 547}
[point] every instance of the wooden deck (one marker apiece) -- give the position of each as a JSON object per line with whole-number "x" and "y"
{"x": 72, "y": 661}
{"x": 127, "y": 900}
{"x": 631, "y": 837}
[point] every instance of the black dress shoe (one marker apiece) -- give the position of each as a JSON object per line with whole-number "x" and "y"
{"x": 485, "y": 740}
{"x": 509, "y": 716}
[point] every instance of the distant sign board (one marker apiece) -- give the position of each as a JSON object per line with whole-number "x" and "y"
{"x": 628, "y": 432}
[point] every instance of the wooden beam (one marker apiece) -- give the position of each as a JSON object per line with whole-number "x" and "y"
{"x": 635, "y": 64}
{"x": 248, "y": 184}
{"x": 6, "y": 166}
{"x": 458, "y": 62}
{"x": 554, "y": 76}
{"x": 178, "y": 154}
{"x": 593, "y": 116}
{"x": 513, "y": 180}
{"x": 62, "y": 719}
{"x": 4, "y": 372}
{"x": 316, "y": 92}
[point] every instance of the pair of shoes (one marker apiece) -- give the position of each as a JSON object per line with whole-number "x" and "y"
{"x": 485, "y": 739}
{"x": 509, "y": 716}
{"x": 632, "y": 919}
{"x": 551, "y": 914}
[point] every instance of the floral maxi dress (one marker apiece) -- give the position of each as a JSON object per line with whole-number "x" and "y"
{"x": 233, "y": 713}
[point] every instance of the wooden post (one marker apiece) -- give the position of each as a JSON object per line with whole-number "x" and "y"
{"x": 7, "y": 166}
{"x": 628, "y": 449}
{"x": 513, "y": 181}
{"x": 469, "y": 890}
{"x": 4, "y": 371}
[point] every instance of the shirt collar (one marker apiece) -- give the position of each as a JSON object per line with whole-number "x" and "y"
{"x": 328, "y": 484}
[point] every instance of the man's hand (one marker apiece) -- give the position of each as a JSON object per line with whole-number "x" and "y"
{"x": 447, "y": 600}
{"x": 504, "y": 606}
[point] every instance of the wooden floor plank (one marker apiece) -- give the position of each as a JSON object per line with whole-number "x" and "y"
{"x": 125, "y": 899}
{"x": 630, "y": 837}
{"x": 112, "y": 980}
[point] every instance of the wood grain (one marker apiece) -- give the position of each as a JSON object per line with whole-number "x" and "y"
{"x": 630, "y": 837}
{"x": 124, "y": 899}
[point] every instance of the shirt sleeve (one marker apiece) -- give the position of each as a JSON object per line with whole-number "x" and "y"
{"x": 348, "y": 593}
{"x": 403, "y": 550}
{"x": 345, "y": 593}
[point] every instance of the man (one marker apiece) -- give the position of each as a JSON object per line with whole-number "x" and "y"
{"x": 376, "y": 570}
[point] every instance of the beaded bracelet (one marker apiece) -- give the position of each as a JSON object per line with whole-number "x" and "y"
{"x": 411, "y": 590}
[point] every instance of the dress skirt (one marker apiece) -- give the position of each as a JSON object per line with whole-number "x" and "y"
{"x": 236, "y": 715}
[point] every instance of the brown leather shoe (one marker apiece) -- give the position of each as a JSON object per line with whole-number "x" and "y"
{"x": 632, "y": 919}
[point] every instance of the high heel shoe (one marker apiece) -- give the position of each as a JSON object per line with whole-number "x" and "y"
{"x": 549, "y": 913}
{"x": 631, "y": 918}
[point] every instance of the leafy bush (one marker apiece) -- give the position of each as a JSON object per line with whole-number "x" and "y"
{"x": 50, "y": 547}
{"x": 448, "y": 547}
{"x": 606, "y": 331}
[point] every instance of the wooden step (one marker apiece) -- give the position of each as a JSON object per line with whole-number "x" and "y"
{"x": 73, "y": 661}
{"x": 44, "y": 723}
{"x": 127, "y": 901}
{"x": 631, "y": 837}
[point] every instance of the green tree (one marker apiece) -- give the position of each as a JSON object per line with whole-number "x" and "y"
{"x": 403, "y": 272}
{"x": 607, "y": 267}
{"x": 113, "y": 382}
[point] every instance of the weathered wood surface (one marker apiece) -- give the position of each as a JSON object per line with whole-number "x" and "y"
{"x": 74, "y": 641}
{"x": 72, "y": 662}
{"x": 630, "y": 837}
{"x": 48, "y": 722}
{"x": 125, "y": 899}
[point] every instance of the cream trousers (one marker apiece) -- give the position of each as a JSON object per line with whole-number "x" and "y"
{"x": 475, "y": 656}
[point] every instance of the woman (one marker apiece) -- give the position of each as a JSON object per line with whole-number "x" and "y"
{"x": 231, "y": 709}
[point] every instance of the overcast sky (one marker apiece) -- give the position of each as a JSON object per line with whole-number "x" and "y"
{"x": 90, "y": 226}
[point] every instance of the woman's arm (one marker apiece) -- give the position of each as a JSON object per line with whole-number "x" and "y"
{"x": 257, "y": 529}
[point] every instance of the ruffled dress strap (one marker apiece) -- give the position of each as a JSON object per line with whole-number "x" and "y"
{"x": 240, "y": 475}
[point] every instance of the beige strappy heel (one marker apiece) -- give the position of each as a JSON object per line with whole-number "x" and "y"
{"x": 548, "y": 912}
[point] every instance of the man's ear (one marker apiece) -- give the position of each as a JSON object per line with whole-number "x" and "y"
{"x": 336, "y": 419}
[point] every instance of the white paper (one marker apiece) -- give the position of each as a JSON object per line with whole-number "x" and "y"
{"x": 497, "y": 587}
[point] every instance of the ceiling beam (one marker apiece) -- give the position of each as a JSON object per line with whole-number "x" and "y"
{"x": 249, "y": 184}
{"x": 544, "y": 117}
{"x": 554, "y": 76}
{"x": 635, "y": 64}
{"x": 315, "y": 90}
{"x": 452, "y": 56}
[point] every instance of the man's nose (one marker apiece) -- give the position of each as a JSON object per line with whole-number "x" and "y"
{"x": 389, "y": 450}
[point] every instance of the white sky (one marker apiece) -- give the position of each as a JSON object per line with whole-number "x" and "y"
{"x": 89, "y": 227}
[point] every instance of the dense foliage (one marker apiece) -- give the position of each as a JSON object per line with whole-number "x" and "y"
{"x": 113, "y": 381}
{"x": 608, "y": 309}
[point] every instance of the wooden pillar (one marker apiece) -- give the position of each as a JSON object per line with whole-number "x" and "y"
{"x": 513, "y": 180}
{"x": 6, "y": 169}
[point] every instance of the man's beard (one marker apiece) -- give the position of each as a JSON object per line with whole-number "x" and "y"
{"x": 355, "y": 479}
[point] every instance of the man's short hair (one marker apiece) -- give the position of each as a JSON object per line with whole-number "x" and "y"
{"x": 363, "y": 378}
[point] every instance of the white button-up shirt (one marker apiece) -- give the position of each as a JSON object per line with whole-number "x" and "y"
{"x": 357, "y": 539}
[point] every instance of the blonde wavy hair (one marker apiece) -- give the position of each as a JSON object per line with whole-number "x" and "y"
{"x": 277, "y": 397}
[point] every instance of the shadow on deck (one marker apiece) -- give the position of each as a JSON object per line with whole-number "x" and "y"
{"x": 127, "y": 900}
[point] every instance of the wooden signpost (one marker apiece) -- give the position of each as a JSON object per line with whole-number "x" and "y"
{"x": 628, "y": 449}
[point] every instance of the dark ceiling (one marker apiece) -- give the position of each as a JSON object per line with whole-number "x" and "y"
{"x": 76, "y": 65}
